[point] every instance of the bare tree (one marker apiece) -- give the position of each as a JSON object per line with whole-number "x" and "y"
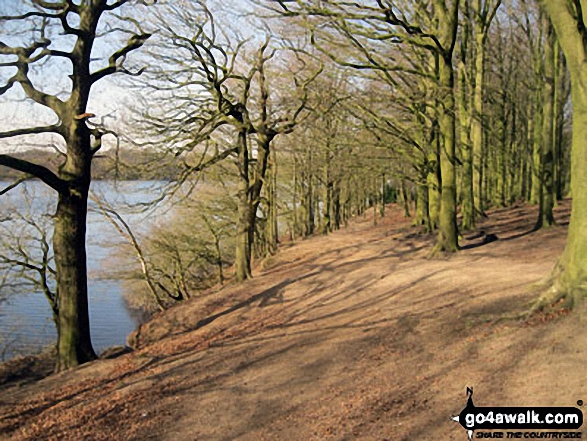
{"x": 26, "y": 260}
{"x": 225, "y": 95}
{"x": 66, "y": 31}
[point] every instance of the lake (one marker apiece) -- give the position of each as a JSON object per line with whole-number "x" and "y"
{"x": 25, "y": 316}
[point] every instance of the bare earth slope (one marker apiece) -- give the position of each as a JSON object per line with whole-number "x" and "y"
{"x": 353, "y": 336}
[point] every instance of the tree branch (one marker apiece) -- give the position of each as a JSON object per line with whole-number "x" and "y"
{"x": 28, "y": 15}
{"x": 14, "y": 185}
{"x": 135, "y": 42}
{"x": 114, "y": 5}
{"x": 31, "y": 131}
{"x": 52, "y": 6}
{"x": 38, "y": 171}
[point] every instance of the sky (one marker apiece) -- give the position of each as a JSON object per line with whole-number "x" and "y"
{"x": 51, "y": 76}
{"x": 108, "y": 96}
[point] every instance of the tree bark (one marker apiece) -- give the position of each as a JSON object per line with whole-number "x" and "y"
{"x": 327, "y": 193}
{"x": 467, "y": 188}
{"x": 74, "y": 345}
{"x": 336, "y": 206}
{"x": 537, "y": 144}
{"x": 422, "y": 218}
{"x": 546, "y": 181}
{"x": 433, "y": 184}
{"x": 477, "y": 124}
{"x": 447, "y": 240}
{"x": 484, "y": 12}
{"x": 245, "y": 224}
{"x": 570, "y": 275}
{"x": 272, "y": 198}
{"x": 559, "y": 102}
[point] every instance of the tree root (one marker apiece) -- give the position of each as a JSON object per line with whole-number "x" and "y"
{"x": 559, "y": 295}
{"x": 439, "y": 252}
{"x": 549, "y": 298}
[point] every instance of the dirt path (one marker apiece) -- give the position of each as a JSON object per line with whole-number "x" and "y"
{"x": 353, "y": 336}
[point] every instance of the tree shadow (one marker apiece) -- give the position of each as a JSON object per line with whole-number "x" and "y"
{"x": 267, "y": 297}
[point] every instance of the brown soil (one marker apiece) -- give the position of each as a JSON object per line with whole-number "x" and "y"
{"x": 354, "y": 336}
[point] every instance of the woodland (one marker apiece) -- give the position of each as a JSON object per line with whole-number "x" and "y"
{"x": 274, "y": 121}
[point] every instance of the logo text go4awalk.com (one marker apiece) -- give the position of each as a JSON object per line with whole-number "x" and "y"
{"x": 511, "y": 419}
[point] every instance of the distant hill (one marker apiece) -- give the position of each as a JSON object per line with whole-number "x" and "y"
{"x": 129, "y": 165}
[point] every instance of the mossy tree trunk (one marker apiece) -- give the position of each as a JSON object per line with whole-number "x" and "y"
{"x": 570, "y": 274}
{"x": 561, "y": 97}
{"x": 327, "y": 186}
{"x": 383, "y": 194}
{"x": 447, "y": 239}
{"x": 273, "y": 225}
{"x": 465, "y": 118}
{"x": 245, "y": 225}
{"x": 477, "y": 125}
{"x": 537, "y": 65}
{"x": 405, "y": 199}
{"x": 249, "y": 196}
{"x": 294, "y": 213}
{"x": 336, "y": 206}
{"x": 422, "y": 217}
{"x": 546, "y": 174}
{"x": 483, "y": 13}
{"x": 309, "y": 223}
{"x": 433, "y": 180}
{"x": 527, "y": 166}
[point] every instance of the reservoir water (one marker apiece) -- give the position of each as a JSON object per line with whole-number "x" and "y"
{"x": 25, "y": 316}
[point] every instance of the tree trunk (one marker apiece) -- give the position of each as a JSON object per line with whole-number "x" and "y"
{"x": 527, "y": 165}
{"x": 570, "y": 275}
{"x": 383, "y": 191}
{"x": 422, "y": 218}
{"x": 537, "y": 148}
{"x": 477, "y": 124}
{"x": 404, "y": 195}
{"x": 69, "y": 244}
{"x": 273, "y": 227}
{"x": 468, "y": 204}
{"x": 336, "y": 206}
{"x": 308, "y": 201}
{"x": 546, "y": 198}
{"x": 447, "y": 240}
{"x": 559, "y": 101}
{"x": 249, "y": 197}
{"x": 245, "y": 225}
{"x": 465, "y": 100}
{"x": 573, "y": 279}
{"x": 74, "y": 345}
{"x": 294, "y": 221}
{"x": 514, "y": 157}
{"x": 219, "y": 260}
{"x": 433, "y": 184}
{"x": 503, "y": 156}
{"x": 327, "y": 195}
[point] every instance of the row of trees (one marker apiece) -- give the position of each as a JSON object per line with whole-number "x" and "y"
{"x": 386, "y": 100}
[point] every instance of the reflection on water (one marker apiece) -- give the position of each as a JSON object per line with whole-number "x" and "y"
{"x": 26, "y": 325}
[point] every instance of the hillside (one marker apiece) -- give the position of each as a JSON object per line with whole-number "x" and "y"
{"x": 357, "y": 335}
